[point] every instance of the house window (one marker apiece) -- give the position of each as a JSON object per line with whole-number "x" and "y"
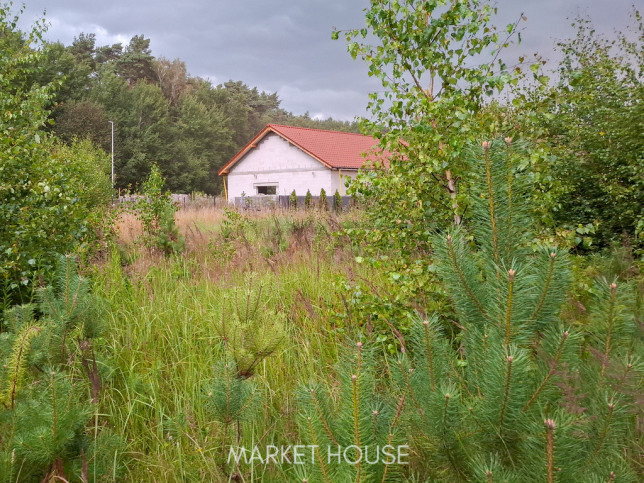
{"x": 266, "y": 189}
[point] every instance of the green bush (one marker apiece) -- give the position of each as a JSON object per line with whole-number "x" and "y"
{"x": 359, "y": 421}
{"x": 337, "y": 202}
{"x": 591, "y": 123}
{"x": 50, "y": 386}
{"x": 506, "y": 388}
{"x": 50, "y": 194}
{"x": 156, "y": 211}
{"x": 323, "y": 204}
{"x": 308, "y": 200}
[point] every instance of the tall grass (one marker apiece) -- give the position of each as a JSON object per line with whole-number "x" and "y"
{"x": 164, "y": 345}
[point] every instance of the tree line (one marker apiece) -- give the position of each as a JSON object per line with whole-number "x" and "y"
{"x": 162, "y": 114}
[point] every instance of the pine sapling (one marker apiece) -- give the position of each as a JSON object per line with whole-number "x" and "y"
{"x": 337, "y": 202}
{"x": 323, "y": 203}
{"x": 478, "y": 398}
{"x": 352, "y": 432}
{"x": 45, "y": 407}
{"x": 308, "y": 200}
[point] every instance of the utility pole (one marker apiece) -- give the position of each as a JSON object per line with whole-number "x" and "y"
{"x": 112, "y": 123}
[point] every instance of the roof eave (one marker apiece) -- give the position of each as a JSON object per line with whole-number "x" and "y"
{"x": 250, "y": 145}
{"x": 255, "y": 141}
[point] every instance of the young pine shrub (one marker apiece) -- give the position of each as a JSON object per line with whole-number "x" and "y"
{"x": 249, "y": 330}
{"x": 337, "y": 202}
{"x": 292, "y": 200}
{"x": 356, "y": 432}
{"x": 249, "y": 333}
{"x": 231, "y": 399}
{"x": 516, "y": 395}
{"x": 45, "y": 402}
{"x": 323, "y": 204}
{"x": 308, "y": 200}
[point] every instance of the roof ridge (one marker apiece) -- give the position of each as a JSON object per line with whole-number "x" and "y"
{"x": 323, "y": 130}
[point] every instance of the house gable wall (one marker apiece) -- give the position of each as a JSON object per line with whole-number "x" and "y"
{"x": 277, "y": 162}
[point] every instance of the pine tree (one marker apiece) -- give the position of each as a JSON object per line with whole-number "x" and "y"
{"x": 250, "y": 333}
{"x": 292, "y": 200}
{"x": 44, "y": 404}
{"x": 249, "y": 330}
{"x": 337, "y": 202}
{"x": 308, "y": 200}
{"x": 323, "y": 204}
{"x": 351, "y": 432}
{"x": 231, "y": 399}
{"x": 515, "y": 395}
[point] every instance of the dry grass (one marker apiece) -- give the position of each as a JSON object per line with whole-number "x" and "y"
{"x": 128, "y": 228}
{"x": 202, "y": 217}
{"x": 269, "y": 240}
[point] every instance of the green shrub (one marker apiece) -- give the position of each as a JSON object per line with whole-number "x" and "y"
{"x": 156, "y": 211}
{"x": 50, "y": 386}
{"x": 308, "y": 200}
{"x": 337, "y": 202}
{"x": 516, "y": 394}
{"x": 292, "y": 200}
{"x": 359, "y": 421}
{"x": 50, "y": 194}
{"x": 323, "y": 204}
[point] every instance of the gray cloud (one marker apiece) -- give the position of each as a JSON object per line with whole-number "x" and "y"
{"x": 285, "y": 46}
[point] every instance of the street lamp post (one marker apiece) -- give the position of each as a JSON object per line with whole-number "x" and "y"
{"x": 112, "y": 123}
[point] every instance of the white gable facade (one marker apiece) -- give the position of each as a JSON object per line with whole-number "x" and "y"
{"x": 274, "y": 166}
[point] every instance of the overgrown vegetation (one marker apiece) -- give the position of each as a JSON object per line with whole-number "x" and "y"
{"x": 591, "y": 120}
{"x": 451, "y": 329}
{"x": 156, "y": 211}
{"x": 52, "y": 381}
{"x": 522, "y": 395}
{"x": 51, "y": 196}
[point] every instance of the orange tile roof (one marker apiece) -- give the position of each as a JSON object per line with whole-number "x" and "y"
{"x": 334, "y": 149}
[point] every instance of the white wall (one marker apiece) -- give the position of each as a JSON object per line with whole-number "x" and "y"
{"x": 276, "y": 161}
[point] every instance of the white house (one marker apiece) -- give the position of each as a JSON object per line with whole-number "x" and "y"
{"x": 281, "y": 159}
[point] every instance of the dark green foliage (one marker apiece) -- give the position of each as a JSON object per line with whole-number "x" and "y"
{"x": 337, "y": 202}
{"x": 359, "y": 419}
{"x": 591, "y": 122}
{"x": 49, "y": 195}
{"x": 156, "y": 211}
{"x": 50, "y": 383}
{"x": 516, "y": 395}
{"x": 135, "y": 64}
{"x": 83, "y": 120}
{"x": 231, "y": 398}
{"x": 308, "y": 200}
{"x": 323, "y": 203}
{"x": 292, "y": 200}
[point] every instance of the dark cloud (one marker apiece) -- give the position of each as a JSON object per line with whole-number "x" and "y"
{"x": 285, "y": 46}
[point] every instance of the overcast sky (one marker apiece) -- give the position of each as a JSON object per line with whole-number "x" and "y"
{"x": 285, "y": 46}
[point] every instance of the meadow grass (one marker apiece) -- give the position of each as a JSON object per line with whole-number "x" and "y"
{"x": 163, "y": 341}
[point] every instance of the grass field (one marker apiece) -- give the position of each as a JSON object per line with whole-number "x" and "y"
{"x": 210, "y": 349}
{"x": 164, "y": 336}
